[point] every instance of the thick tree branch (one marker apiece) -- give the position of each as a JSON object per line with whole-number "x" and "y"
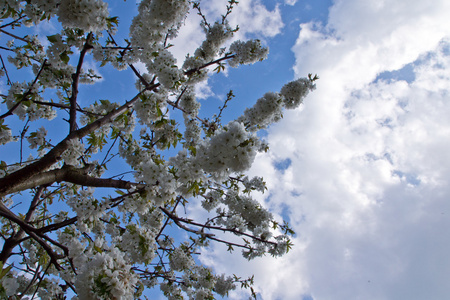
{"x": 12, "y": 180}
{"x": 72, "y": 175}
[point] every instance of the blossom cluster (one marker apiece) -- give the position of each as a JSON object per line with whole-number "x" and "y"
{"x": 268, "y": 109}
{"x": 87, "y": 207}
{"x": 37, "y": 139}
{"x": 25, "y": 109}
{"x": 156, "y": 19}
{"x": 5, "y": 136}
{"x": 106, "y": 275}
{"x": 247, "y": 52}
{"x": 256, "y": 183}
{"x": 73, "y": 152}
{"x": 89, "y": 15}
{"x": 216, "y": 36}
{"x": 231, "y": 149}
{"x": 138, "y": 242}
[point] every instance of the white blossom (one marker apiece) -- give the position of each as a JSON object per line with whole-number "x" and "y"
{"x": 10, "y": 284}
{"x": 231, "y": 149}
{"x": 139, "y": 243}
{"x": 256, "y": 183}
{"x": 155, "y": 19}
{"x": 295, "y": 91}
{"x": 267, "y": 110}
{"x": 247, "y": 52}
{"x": 224, "y": 285}
{"x": 180, "y": 259}
{"x": 37, "y": 139}
{"x": 73, "y": 152}
{"x": 89, "y": 15}
{"x": 5, "y": 136}
{"x": 106, "y": 276}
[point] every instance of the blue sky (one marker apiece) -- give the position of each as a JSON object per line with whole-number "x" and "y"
{"x": 361, "y": 170}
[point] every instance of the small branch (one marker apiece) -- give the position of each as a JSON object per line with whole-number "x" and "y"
{"x": 179, "y": 97}
{"x": 15, "y": 36}
{"x": 167, "y": 220}
{"x": 196, "y": 5}
{"x": 76, "y": 78}
{"x": 191, "y": 71}
{"x": 40, "y": 281}
{"x": 109, "y": 150}
{"x": 12, "y": 22}
{"x": 22, "y": 135}
{"x": 120, "y": 199}
{"x": 35, "y": 275}
{"x": 118, "y": 48}
{"x": 56, "y": 226}
{"x": 230, "y": 96}
{"x": 10, "y": 112}
{"x": 177, "y": 219}
{"x": 8, "y": 80}
{"x": 59, "y": 105}
{"x": 175, "y": 105}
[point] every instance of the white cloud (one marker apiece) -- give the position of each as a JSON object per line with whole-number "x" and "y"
{"x": 253, "y": 18}
{"x": 367, "y": 188}
{"x": 290, "y": 2}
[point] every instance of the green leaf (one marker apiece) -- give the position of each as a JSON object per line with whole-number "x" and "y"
{"x": 52, "y": 38}
{"x": 98, "y": 249}
{"x": 4, "y": 271}
{"x": 64, "y": 57}
{"x": 121, "y": 193}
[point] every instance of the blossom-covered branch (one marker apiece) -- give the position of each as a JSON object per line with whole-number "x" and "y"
{"x": 96, "y": 207}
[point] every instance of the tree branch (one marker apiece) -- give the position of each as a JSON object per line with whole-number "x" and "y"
{"x": 75, "y": 82}
{"x": 177, "y": 220}
{"x": 30, "y": 230}
{"x": 191, "y": 71}
{"x": 12, "y": 180}
{"x": 15, "y": 36}
{"x": 59, "y": 105}
{"x": 15, "y": 239}
{"x": 72, "y": 175}
{"x": 28, "y": 92}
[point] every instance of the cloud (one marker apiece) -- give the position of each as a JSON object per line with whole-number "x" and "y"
{"x": 253, "y": 18}
{"x": 290, "y": 2}
{"x": 366, "y": 189}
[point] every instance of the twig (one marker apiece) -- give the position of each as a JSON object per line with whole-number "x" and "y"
{"x": 16, "y": 37}
{"x": 8, "y": 80}
{"x": 191, "y": 71}
{"x": 190, "y": 222}
{"x": 28, "y": 92}
{"x": 12, "y": 22}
